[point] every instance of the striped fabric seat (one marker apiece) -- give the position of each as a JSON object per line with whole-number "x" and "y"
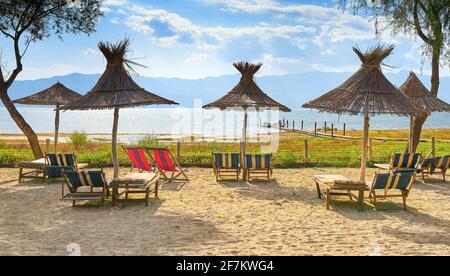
{"x": 258, "y": 161}
{"x": 226, "y": 160}
{"x": 388, "y": 181}
{"x": 405, "y": 161}
{"x": 436, "y": 164}
{"x": 56, "y": 171}
{"x": 92, "y": 179}
{"x": 138, "y": 159}
{"x": 443, "y": 162}
{"x": 400, "y": 181}
{"x": 61, "y": 160}
{"x": 165, "y": 162}
{"x": 58, "y": 163}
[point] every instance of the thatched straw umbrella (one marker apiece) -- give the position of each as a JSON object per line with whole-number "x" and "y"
{"x": 116, "y": 89}
{"x": 246, "y": 95}
{"x": 414, "y": 89}
{"x": 58, "y": 95}
{"x": 367, "y": 92}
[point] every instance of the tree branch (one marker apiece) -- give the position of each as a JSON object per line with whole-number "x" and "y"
{"x": 19, "y": 66}
{"x": 417, "y": 24}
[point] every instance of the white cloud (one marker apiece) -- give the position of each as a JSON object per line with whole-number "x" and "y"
{"x": 90, "y": 52}
{"x": 115, "y": 2}
{"x": 196, "y": 58}
{"x": 334, "y": 69}
{"x": 139, "y": 19}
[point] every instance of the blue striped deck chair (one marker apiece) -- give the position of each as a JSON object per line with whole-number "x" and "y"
{"x": 436, "y": 164}
{"x": 57, "y": 163}
{"x": 401, "y": 162}
{"x": 387, "y": 182}
{"x": 226, "y": 165}
{"x": 258, "y": 165}
{"x": 92, "y": 182}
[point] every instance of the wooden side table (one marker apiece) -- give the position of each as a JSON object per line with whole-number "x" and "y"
{"x": 135, "y": 183}
{"x": 338, "y": 185}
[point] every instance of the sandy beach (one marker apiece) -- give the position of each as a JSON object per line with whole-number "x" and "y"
{"x": 284, "y": 217}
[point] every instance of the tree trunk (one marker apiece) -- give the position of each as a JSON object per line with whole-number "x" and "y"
{"x": 21, "y": 123}
{"x": 420, "y": 120}
{"x": 56, "y": 128}
{"x": 114, "y": 143}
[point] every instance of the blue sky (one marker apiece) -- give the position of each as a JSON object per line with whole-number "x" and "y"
{"x": 201, "y": 38}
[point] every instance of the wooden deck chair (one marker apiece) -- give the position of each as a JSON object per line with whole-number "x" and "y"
{"x": 166, "y": 163}
{"x": 226, "y": 165}
{"x": 56, "y": 164}
{"x": 401, "y": 181}
{"x": 88, "y": 180}
{"x": 436, "y": 164}
{"x": 138, "y": 159}
{"x": 401, "y": 162}
{"x": 257, "y": 165}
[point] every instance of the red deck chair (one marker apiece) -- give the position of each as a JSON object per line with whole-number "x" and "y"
{"x": 138, "y": 159}
{"x": 166, "y": 163}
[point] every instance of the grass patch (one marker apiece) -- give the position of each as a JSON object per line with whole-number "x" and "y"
{"x": 289, "y": 154}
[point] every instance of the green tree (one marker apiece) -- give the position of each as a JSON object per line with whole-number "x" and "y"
{"x": 428, "y": 20}
{"x": 23, "y": 22}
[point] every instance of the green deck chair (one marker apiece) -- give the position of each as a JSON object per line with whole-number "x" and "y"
{"x": 90, "y": 181}
{"x": 400, "y": 181}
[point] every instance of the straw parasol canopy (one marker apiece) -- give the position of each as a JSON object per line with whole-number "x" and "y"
{"x": 367, "y": 92}
{"x": 116, "y": 89}
{"x": 415, "y": 90}
{"x": 244, "y": 96}
{"x": 57, "y": 95}
{"x": 247, "y": 94}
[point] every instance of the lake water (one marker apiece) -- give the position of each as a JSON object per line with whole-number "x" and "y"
{"x": 183, "y": 122}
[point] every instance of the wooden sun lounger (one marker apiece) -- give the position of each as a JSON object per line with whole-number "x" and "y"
{"x": 135, "y": 183}
{"x": 32, "y": 169}
{"x": 338, "y": 185}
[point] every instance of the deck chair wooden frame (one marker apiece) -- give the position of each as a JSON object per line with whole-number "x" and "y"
{"x": 74, "y": 195}
{"x": 145, "y": 167}
{"x": 176, "y": 174}
{"x": 224, "y": 173}
{"x": 373, "y": 196}
{"x": 255, "y": 174}
{"x": 440, "y": 168}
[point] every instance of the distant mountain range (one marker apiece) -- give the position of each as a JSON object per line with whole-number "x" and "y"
{"x": 292, "y": 90}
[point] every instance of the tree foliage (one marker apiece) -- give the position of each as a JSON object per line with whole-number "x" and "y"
{"x": 427, "y": 19}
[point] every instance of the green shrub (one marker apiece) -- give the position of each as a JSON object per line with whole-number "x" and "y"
{"x": 79, "y": 139}
{"x": 148, "y": 141}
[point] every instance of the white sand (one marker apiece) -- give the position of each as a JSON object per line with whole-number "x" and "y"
{"x": 206, "y": 218}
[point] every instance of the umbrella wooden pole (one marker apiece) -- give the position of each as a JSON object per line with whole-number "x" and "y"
{"x": 362, "y": 173}
{"x": 244, "y": 143}
{"x": 114, "y": 143}
{"x": 56, "y": 128}
{"x": 411, "y": 130}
